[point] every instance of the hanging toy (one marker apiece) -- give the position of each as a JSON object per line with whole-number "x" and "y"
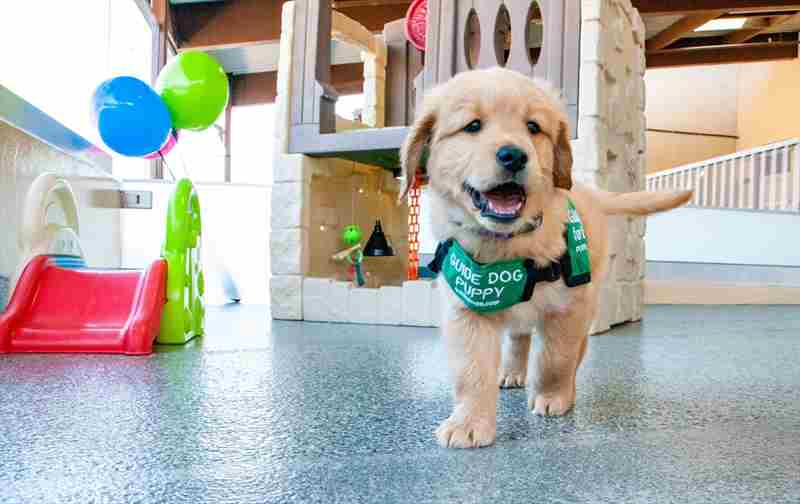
{"x": 351, "y": 236}
{"x": 413, "y": 228}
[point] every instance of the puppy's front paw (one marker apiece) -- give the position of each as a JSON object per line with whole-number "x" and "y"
{"x": 470, "y": 433}
{"x": 552, "y": 404}
{"x": 512, "y": 379}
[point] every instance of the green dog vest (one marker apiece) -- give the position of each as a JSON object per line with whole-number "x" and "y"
{"x": 487, "y": 288}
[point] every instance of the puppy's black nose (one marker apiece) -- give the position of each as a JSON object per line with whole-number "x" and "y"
{"x": 511, "y": 158}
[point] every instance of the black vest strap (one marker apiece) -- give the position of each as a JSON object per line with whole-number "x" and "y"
{"x": 549, "y": 273}
{"x": 438, "y": 258}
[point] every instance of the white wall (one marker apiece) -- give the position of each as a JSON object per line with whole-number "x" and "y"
{"x": 697, "y": 99}
{"x": 668, "y": 150}
{"x": 695, "y": 110}
{"x": 724, "y": 236}
{"x": 768, "y": 102}
{"x": 235, "y": 235}
{"x": 753, "y": 104}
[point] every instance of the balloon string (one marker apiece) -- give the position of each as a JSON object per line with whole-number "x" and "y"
{"x": 179, "y": 150}
{"x": 164, "y": 162}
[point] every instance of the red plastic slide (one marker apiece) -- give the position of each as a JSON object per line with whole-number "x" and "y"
{"x": 55, "y": 309}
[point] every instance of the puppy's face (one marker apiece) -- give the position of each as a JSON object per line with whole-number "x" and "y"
{"x": 498, "y": 145}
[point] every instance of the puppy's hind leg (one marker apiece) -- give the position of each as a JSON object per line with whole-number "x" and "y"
{"x": 514, "y": 366}
{"x": 473, "y": 348}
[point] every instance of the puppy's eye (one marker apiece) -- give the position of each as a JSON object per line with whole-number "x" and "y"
{"x": 473, "y": 127}
{"x": 534, "y": 128}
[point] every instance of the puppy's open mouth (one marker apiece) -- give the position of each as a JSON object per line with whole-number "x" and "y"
{"x": 502, "y": 203}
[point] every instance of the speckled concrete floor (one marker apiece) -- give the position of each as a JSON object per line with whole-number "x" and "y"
{"x": 696, "y": 404}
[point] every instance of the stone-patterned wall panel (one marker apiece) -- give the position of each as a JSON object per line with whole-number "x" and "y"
{"x": 610, "y": 146}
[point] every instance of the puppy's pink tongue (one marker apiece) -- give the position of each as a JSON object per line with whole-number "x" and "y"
{"x": 506, "y": 199}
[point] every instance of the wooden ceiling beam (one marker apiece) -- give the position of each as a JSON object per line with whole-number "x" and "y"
{"x": 680, "y": 28}
{"x": 691, "y": 7}
{"x": 746, "y": 46}
{"x": 746, "y": 34}
{"x": 218, "y": 24}
{"x": 720, "y": 41}
{"x": 242, "y": 22}
{"x": 258, "y": 88}
{"x": 760, "y": 14}
{"x": 374, "y": 18}
{"x": 722, "y": 55}
{"x": 346, "y": 4}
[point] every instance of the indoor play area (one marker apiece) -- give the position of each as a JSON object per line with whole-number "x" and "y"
{"x": 323, "y": 163}
{"x": 60, "y": 302}
{"x": 167, "y": 336}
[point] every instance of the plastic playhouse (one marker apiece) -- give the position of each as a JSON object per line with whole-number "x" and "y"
{"x": 184, "y": 312}
{"x": 60, "y": 305}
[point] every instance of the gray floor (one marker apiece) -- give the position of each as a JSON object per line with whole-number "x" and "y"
{"x": 696, "y": 404}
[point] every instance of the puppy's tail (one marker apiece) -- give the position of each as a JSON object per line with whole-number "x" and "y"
{"x": 641, "y": 203}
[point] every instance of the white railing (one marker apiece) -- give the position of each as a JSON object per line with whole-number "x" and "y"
{"x": 765, "y": 178}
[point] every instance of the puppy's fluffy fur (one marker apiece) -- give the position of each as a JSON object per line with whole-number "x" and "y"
{"x": 506, "y": 102}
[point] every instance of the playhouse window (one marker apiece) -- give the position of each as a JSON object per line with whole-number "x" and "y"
{"x": 350, "y": 106}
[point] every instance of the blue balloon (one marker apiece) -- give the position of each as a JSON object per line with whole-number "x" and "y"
{"x": 131, "y": 118}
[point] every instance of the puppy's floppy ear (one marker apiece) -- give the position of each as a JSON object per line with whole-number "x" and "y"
{"x": 562, "y": 158}
{"x": 413, "y": 152}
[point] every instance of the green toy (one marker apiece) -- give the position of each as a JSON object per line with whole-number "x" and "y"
{"x": 351, "y": 236}
{"x": 184, "y": 313}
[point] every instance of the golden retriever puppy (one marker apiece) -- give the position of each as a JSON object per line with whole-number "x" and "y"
{"x": 521, "y": 246}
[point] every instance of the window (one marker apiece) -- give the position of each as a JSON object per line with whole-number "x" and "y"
{"x": 200, "y": 155}
{"x": 252, "y": 148}
{"x": 62, "y": 51}
{"x": 253, "y": 138}
{"x": 252, "y": 143}
{"x": 350, "y": 106}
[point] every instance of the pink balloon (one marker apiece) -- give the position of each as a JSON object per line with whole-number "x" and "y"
{"x": 172, "y": 140}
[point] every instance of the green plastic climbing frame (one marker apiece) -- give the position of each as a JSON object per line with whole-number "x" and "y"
{"x": 184, "y": 313}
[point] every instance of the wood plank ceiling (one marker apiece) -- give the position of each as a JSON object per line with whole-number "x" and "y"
{"x": 677, "y": 31}
{"x": 760, "y": 30}
{"x": 769, "y": 31}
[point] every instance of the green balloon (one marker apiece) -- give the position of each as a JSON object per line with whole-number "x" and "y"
{"x": 195, "y": 88}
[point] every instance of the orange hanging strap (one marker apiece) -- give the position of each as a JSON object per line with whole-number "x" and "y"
{"x": 413, "y": 228}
